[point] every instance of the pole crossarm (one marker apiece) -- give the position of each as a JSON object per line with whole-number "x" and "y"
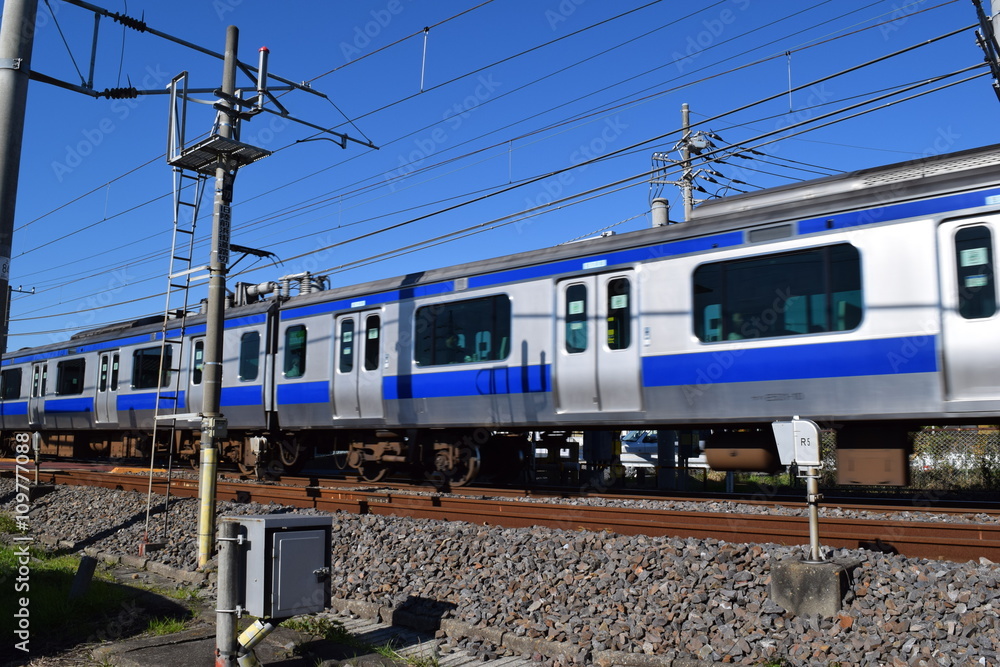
{"x": 141, "y": 26}
{"x": 257, "y": 73}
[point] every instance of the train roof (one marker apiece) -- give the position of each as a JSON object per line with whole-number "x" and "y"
{"x": 864, "y": 189}
{"x": 930, "y": 176}
{"x": 145, "y": 326}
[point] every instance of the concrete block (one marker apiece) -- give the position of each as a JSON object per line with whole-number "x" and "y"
{"x": 808, "y": 589}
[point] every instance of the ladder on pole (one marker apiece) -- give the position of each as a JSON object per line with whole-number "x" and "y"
{"x": 189, "y": 187}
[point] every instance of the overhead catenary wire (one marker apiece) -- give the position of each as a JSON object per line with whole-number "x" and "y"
{"x": 535, "y": 81}
{"x": 602, "y": 158}
{"x": 510, "y": 219}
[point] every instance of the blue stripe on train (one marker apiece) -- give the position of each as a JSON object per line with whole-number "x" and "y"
{"x": 243, "y": 395}
{"x": 883, "y": 356}
{"x": 13, "y": 409}
{"x": 297, "y": 393}
{"x": 61, "y": 405}
{"x": 147, "y": 401}
{"x": 469, "y": 382}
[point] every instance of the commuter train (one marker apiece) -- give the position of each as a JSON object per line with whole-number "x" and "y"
{"x": 865, "y": 301}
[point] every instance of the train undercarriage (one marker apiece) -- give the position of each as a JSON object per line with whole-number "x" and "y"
{"x": 444, "y": 457}
{"x": 874, "y": 453}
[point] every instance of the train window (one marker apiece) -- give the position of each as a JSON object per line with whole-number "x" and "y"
{"x": 10, "y": 383}
{"x": 619, "y": 314}
{"x": 114, "y": 372}
{"x": 197, "y": 362}
{"x": 69, "y": 377}
{"x": 976, "y": 294}
{"x": 346, "y": 363}
{"x": 102, "y": 376}
{"x": 463, "y": 331}
{"x": 295, "y": 351}
{"x": 576, "y": 318}
{"x": 249, "y": 356}
{"x": 146, "y": 367}
{"x": 373, "y": 325}
{"x": 39, "y": 377}
{"x": 786, "y": 294}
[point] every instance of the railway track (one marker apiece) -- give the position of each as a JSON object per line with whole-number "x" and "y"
{"x": 942, "y": 540}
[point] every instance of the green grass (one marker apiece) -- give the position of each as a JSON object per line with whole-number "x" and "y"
{"x": 108, "y": 611}
{"x": 9, "y": 525}
{"x": 165, "y": 626}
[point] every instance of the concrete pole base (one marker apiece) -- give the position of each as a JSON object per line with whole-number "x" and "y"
{"x": 808, "y": 589}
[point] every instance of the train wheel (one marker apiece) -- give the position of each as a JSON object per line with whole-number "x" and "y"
{"x": 373, "y": 472}
{"x": 459, "y": 464}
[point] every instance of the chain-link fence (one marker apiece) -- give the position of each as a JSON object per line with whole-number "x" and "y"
{"x": 954, "y": 458}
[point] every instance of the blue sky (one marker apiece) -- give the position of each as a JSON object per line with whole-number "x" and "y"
{"x": 518, "y": 99}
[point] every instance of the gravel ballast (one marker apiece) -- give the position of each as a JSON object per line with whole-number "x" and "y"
{"x": 586, "y": 596}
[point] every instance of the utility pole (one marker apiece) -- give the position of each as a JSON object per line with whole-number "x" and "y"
{"x": 212, "y": 423}
{"x": 686, "y": 175}
{"x": 17, "y": 36}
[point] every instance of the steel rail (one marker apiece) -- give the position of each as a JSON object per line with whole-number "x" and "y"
{"x": 920, "y": 539}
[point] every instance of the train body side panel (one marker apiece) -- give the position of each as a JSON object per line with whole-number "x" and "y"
{"x": 888, "y": 366}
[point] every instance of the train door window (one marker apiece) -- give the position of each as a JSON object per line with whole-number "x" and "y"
{"x": 576, "y": 319}
{"x": 102, "y": 373}
{"x": 69, "y": 377}
{"x": 197, "y": 362}
{"x": 249, "y": 356}
{"x": 114, "y": 372}
{"x": 619, "y": 314}
{"x": 784, "y": 294}
{"x": 976, "y": 292}
{"x": 373, "y": 325}
{"x": 39, "y": 378}
{"x": 463, "y": 331}
{"x": 10, "y": 383}
{"x": 146, "y": 367}
{"x": 346, "y": 360}
{"x": 295, "y": 351}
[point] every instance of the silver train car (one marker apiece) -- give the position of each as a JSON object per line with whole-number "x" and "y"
{"x": 866, "y": 302}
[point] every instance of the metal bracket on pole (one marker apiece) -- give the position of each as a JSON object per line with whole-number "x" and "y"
{"x": 10, "y": 63}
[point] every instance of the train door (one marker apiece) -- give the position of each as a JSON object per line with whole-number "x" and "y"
{"x": 357, "y": 375}
{"x": 195, "y": 389}
{"x": 106, "y": 407}
{"x": 36, "y": 399}
{"x": 597, "y": 354}
{"x": 970, "y": 322}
